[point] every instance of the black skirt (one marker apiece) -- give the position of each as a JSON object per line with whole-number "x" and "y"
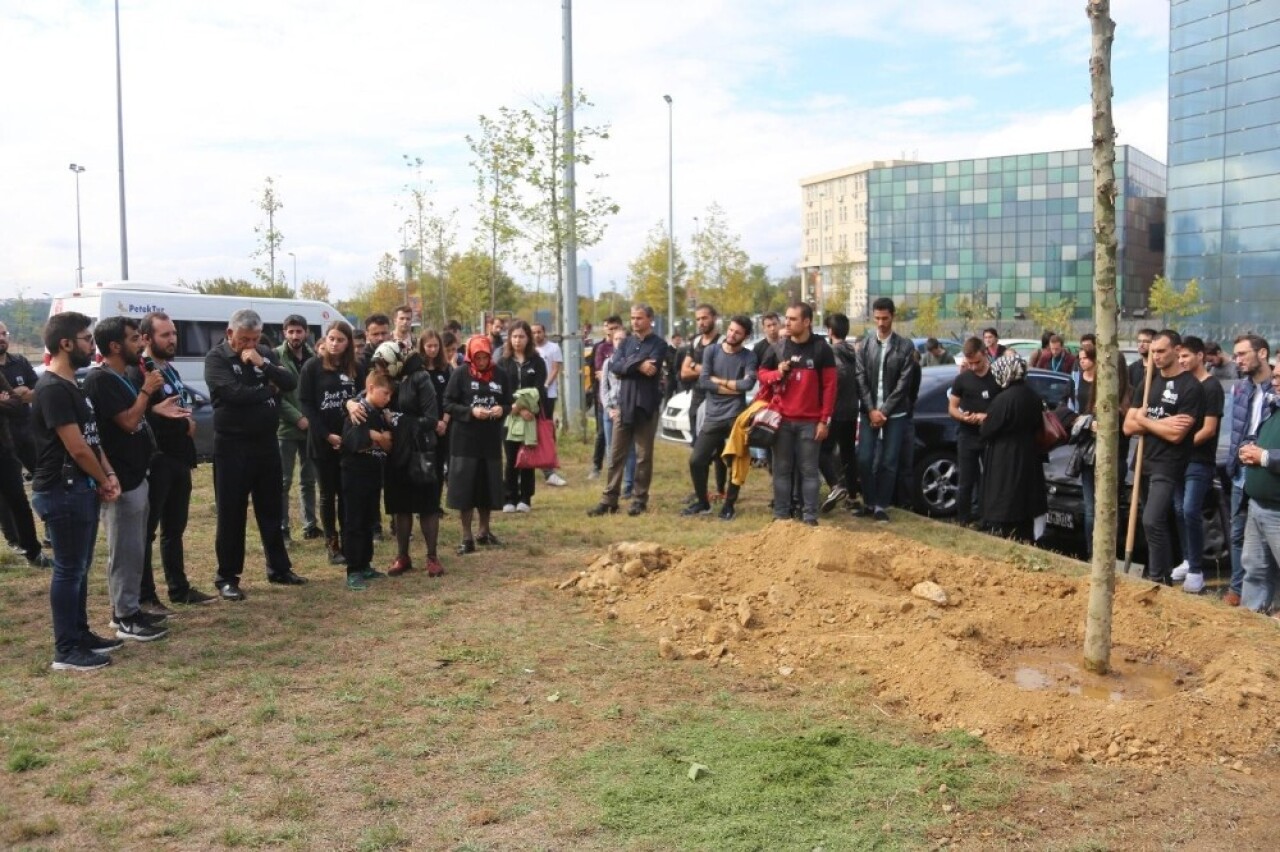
{"x": 475, "y": 483}
{"x": 400, "y": 496}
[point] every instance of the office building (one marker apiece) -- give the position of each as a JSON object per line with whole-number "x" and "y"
{"x": 586, "y": 288}
{"x": 1224, "y": 159}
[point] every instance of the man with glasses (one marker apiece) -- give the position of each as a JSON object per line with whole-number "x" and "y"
{"x": 1261, "y": 462}
{"x": 1248, "y": 412}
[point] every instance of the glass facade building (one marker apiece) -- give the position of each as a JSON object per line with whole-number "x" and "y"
{"x": 1011, "y": 232}
{"x": 1224, "y": 158}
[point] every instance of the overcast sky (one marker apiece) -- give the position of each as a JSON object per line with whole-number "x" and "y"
{"x": 327, "y": 97}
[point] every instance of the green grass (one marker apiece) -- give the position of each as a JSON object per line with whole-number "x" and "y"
{"x": 775, "y": 783}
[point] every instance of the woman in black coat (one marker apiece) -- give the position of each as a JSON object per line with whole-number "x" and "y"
{"x": 524, "y": 368}
{"x": 476, "y": 401}
{"x": 1013, "y": 492}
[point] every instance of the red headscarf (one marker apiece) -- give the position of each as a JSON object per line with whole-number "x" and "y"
{"x": 480, "y": 343}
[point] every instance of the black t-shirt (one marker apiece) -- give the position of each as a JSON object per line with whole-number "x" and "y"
{"x": 323, "y": 395}
{"x": 1181, "y": 394}
{"x": 975, "y": 394}
{"x": 129, "y": 452}
{"x": 59, "y": 402}
{"x": 18, "y": 371}
{"x": 171, "y": 434}
{"x": 1215, "y": 398}
{"x": 476, "y": 439}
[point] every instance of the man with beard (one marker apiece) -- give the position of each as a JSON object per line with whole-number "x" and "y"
{"x": 377, "y": 330}
{"x": 292, "y": 433}
{"x": 727, "y": 372}
{"x": 972, "y": 393}
{"x": 72, "y": 475}
{"x": 1174, "y": 411}
{"x": 1249, "y": 410}
{"x": 690, "y": 370}
{"x": 245, "y": 383}
{"x": 169, "y": 483}
{"x": 121, "y": 408}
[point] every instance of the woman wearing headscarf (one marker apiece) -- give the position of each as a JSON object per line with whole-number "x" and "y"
{"x": 476, "y": 400}
{"x": 524, "y": 368}
{"x": 1013, "y": 492}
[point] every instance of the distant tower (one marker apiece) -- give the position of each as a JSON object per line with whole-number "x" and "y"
{"x": 585, "y": 286}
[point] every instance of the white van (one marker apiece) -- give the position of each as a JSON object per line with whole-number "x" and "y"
{"x": 201, "y": 319}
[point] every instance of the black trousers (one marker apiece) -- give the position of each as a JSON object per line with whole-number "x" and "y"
{"x": 169, "y": 498}
{"x": 969, "y": 450}
{"x": 838, "y": 462}
{"x": 517, "y": 485}
{"x": 329, "y": 478}
{"x": 361, "y": 487}
{"x": 244, "y": 468}
{"x": 20, "y": 525}
{"x": 597, "y": 453}
{"x": 1160, "y": 525}
{"x": 706, "y": 450}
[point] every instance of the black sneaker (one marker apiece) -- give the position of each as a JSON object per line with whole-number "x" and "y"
{"x": 40, "y": 560}
{"x": 728, "y": 513}
{"x": 142, "y": 617}
{"x": 312, "y": 533}
{"x": 99, "y": 644}
{"x": 154, "y": 608}
{"x": 833, "y": 499}
{"x": 602, "y": 509}
{"x": 863, "y": 512}
{"x": 139, "y": 631}
{"x": 810, "y": 522}
{"x": 230, "y": 592}
{"x": 698, "y": 508}
{"x": 288, "y": 578}
{"x": 881, "y": 516}
{"x": 80, "y": 660}
{"x": 637, "y": 508}
{"x": 192, "y": 597}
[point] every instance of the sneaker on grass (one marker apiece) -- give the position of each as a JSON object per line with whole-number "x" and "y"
{"x": 556, "y": 480}
{"x": 1193, "y": 583}
{"x": 1180, "y": 571}
{"x": 80, "y": 660}
{"x": 137, "y": 630}
{"x": 99, "y": 644}
{"x": 833, "y": 499}
{"x": 356, "y": 583}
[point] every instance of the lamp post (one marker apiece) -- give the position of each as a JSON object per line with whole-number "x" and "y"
{"x": 124, "y": 230}
{"x": 79, "y": 249}
{"x": 671, "y": 226}
{"x": 295, "y": 274}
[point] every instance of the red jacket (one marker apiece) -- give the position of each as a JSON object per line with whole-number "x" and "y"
{"x": 809, "y": 392}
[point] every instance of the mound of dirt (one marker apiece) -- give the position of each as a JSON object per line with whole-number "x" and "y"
{"x": 959, "y": 642}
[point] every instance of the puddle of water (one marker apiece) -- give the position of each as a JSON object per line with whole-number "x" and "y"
{"x": 1061, "y": 668}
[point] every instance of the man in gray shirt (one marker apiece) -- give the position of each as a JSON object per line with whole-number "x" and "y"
{"x": 728, "y": 372}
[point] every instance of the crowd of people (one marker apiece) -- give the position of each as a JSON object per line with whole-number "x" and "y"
{"x": 382, "y": 420}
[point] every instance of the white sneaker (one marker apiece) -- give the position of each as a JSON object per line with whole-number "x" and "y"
{"x": 557, "y": 480}
{"x": 508, "y": 507}
{"x": 1180, "y": 572}
{"x": 1193, "y": 584}
{"x": 523, "y": 507}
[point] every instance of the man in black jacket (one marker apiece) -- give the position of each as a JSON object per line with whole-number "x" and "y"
{"x": 887, "y": 370}
{"x": 245, "y": 381}
{"x": 839, "y": 459}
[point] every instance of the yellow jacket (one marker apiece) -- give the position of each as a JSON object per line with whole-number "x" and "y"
{"x": 736, "y": 454}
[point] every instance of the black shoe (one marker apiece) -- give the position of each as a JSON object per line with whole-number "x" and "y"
{"x": 833, "y": 499}
{"x": 40, "y": 560}
{"x": 99, "y": 644}
{"x": 811, "y": 522}
{"x": 881, "y": 516}
{"x": 467, "y": 546}
{"x": 80, "y": 660}
{"x": 488, "y": 538}
{"x": 863, "y": 512}
{"x": 602, "y": 509}
{"x": 153, "y": 607}
{"x": 142, "y": 617}
{"x": 312, "y": 533}
{"x": 727, "y": 512}
{"x": 698, "y": 508}
{"x": 137, "y": 630}
{"x": 192, "y": 597}
{"x": 637, "y": 508}
{"x": 288, "y": 578}
{"x": 230, "y": 592}
{"x": 287, "y": 536}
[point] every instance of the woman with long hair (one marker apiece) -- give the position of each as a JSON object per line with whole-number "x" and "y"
{"x": 1013, "y": 493}
{"x": 476, "y": 401}
{"x": 524, "y": 368}
{"x": 438, "y": 366}
{"x": 325, "y": 384}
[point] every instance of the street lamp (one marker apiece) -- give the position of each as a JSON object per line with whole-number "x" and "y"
{"x": 671, "y": 226}
{"x": 295, "y": 274}
{"x": 79, "y": 250}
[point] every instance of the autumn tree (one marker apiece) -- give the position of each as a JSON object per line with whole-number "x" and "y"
{"x": 928, "y": 310}
{"x": 269, "y": 236}
{"x": 1053, "y": 318}
{"x": 239, "y": 287}
{"x": 1102, "y": 578}
{"x": 722, "y": 268}
{"x": 315, "y": 290}
{"x": 971, "y": 311}
{"x": 500, "y": 157}
{"x": 1172, "y": 304}
{"x": 472, "y": 283}
{"x": 647, "y": 274}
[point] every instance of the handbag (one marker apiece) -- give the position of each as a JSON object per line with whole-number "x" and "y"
{"x": 763, "y": 432}
{"x": 1052, "y": 434}
{"x": 542, "y": 455}
{"x": 422, "y": 459}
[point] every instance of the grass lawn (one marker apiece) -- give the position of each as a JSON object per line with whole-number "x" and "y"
{"x": 481, "y": 710}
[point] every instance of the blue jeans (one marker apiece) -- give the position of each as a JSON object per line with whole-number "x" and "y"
{"x": 1261, "y": 544}
{"x": 1239, "y": 518}
{"x": 71, "y": 518}
{"x": 1188, "y": 506}
{"x": 879, "y": 471}
{"x": 796, "y": 449}
{"x": 629, "y": 472}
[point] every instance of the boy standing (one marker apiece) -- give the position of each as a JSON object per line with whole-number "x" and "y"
{"x": 364, "y": 448}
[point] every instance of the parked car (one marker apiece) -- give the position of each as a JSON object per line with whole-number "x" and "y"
{"x": 936, "y": 476}
{"x": 201, "y": 412}
{"x": 674, "y": 423}
{"x": 953, "y": 347}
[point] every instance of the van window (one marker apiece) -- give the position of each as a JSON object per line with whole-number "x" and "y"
{"x": 195, "y": 339}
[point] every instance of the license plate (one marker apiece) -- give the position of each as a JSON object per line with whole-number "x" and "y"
{"x": 1063, "y": 520}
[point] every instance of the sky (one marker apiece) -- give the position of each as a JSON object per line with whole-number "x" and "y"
{"x": 328, "y": 98}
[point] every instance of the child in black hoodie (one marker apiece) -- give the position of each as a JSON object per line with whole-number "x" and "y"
{"x": 364, "y": 448}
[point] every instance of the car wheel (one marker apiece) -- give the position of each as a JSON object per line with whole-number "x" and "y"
{"x": 937, "y": 479}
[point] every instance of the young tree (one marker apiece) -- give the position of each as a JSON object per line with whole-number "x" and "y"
{"x": 239, "y": 287}
{"x": 721, "y": 267}
{"x": 1102, "y": 581}
{"x": 970, "y": 311}
{"x": 269, "y": 237}
{"x": 926, "y": 322}
{"x": 1171, "y": 304}
{"x": 434, "y": 235}
{"x": 473, "y": 285}
{"x": 647, "y": 274}
{"x": 500, "y": 158}
{"x": 1055, "y": 318}
{"x": 312, "y": 289}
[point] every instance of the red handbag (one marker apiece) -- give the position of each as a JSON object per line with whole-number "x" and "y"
{"x": 542, "y": 455}
{"x": 1052, "y": 433}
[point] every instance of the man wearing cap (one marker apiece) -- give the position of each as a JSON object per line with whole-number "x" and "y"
{"x": 292, "y": 432}
{"x": 245, "y": 383}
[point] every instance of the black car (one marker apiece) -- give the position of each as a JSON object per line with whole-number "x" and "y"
{"x": 936, "y": 477}
{"x": 201, "y": 413}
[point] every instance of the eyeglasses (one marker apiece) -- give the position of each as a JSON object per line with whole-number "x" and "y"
{"x": 87, "y": 338}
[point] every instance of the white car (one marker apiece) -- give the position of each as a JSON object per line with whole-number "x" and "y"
{"x": 674, "y": 423}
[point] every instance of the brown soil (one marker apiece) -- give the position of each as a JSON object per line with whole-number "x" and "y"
{"x": 1194, "y": 682}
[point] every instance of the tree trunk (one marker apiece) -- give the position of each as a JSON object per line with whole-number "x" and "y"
{"x": 1102, "y": 586}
